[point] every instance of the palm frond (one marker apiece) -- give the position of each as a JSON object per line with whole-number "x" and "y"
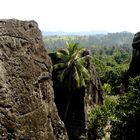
{"x": 60, "y": 55}
{"x": 82, "y": 81}
{"x": 76, "y": 77}
{"x": 64, "y": 51}
{"x": 78, "y": 52}
{"x": 84, "y": 72}
{"x": 85, "y": 58}
{"x": 62, "y": 75}
{"x": 72, "y": 47}
{"x": 59, "y": 66}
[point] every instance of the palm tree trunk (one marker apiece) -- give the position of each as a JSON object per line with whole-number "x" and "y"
{"x": 67, "y": 107}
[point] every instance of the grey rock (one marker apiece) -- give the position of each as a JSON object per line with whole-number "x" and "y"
{"x": 134, "y": 68}
{"x": 27, "y": 108}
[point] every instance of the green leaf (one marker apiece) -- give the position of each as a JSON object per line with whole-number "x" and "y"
{"x": 76, "y": 77}
{"x": 59, "y": 66}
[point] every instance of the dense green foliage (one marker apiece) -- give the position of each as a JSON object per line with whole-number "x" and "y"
{"x": 111, "y": 65}
{"x": 118, "y": 118}
{"x": 127, "y": 123}
{"x": 124, "y": 39}
{"x": 101, "y": 118}
{"x": 111, "y": 54}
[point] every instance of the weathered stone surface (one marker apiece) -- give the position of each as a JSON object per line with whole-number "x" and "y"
{"x": 27, "y": 108}
{"x": 134, "y": 68}
{"x": 82, "y": 101}
{"x": 93, "y": 92}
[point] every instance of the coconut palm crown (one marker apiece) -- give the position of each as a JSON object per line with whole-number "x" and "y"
{"x": 72, "y": 66}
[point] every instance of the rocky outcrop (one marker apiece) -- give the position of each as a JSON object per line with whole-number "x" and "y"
{"x": 27, "y": 108}
{"x": 134, "y": 68}
{"x": 81, "y": 101}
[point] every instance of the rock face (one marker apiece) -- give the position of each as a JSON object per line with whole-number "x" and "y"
{"x": 81, "y": 101}
{"x": 27, "y": 108}
{"x": 134, "y": 68}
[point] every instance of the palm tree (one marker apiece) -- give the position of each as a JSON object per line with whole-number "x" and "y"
{"x": 71, "y": 68}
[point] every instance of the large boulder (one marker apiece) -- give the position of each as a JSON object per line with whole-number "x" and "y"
{"x": 27, "y": 108}
{"x": 134, "y": 68}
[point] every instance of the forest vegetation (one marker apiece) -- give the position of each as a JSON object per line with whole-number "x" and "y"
{"x": 118, "y": 117}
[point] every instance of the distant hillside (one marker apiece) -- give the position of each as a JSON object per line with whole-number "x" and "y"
{"x": 89, "y": 41}
{"x": 74, "y": 33}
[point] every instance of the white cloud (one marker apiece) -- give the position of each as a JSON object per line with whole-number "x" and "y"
{"x": 76, "y": 15}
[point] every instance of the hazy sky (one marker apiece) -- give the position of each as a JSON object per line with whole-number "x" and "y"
{"x": 76, "y": 15}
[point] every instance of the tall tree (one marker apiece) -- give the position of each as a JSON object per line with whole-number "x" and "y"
{"x": 72, "y": 71}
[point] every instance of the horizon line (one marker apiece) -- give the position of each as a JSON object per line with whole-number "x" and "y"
{"x": 96, "y": 32}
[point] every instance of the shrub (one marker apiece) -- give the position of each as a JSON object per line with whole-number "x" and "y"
{"x": 100, "y": 118}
